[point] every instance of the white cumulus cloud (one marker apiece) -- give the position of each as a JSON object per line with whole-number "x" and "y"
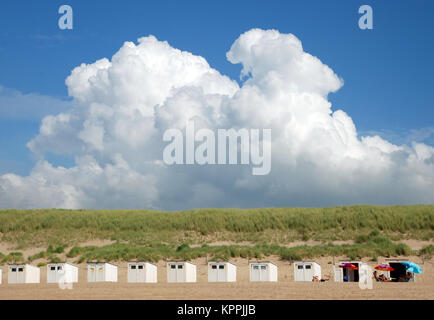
{"x": 122, "y": 106}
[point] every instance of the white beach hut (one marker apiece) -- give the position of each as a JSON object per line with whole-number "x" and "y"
{"x": 102, "y": 272}
{"x": 399, "y": 270}
{"x": 263, "y": 271}
{"x": 142, "y": 272}
{"x": 62, "y": 273}
{"x": 351, "y": 275}
{"x": 306, "y": 270}
{"x": 222, "y": 272}
{"x": 181, "y": 272}
{"x": 23, "y": 273}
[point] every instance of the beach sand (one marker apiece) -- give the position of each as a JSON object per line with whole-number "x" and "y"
{"x": 243, "y": 289}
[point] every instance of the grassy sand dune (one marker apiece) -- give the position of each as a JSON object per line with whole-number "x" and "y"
{"x": 368, "y": 231}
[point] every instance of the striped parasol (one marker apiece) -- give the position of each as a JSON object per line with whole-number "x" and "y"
{"x": 384, "y": 267}
{"x": 348, "y": 266}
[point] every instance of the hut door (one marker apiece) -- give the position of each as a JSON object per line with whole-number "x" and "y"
{"x": 221, "y": 273}
{"x": 141, "y": 275}
{"x": 92, "y": 277}
{"x": 99, "y": 273}
{"x": 264, "y": 273}
{"x": 365, "y": 274}
{"x": 13, "y": 274}
{"x": 180, "y": 273}
{"x": 21, "y": 274}
{"x": 299, "y": 273}
{"x": 60, "y": 273}
{"x": 308, "y": 272}
{"x": 213, "y": 272}
{"x": 338, "y": 274}
{"x": 172, "y": 273}
{"x": 255, "y": 273}
{"x": 132, "y": 273}
{"x": 52, "y": 274}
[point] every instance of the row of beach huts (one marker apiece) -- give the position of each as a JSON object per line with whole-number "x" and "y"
{"x": 180, "y": 271}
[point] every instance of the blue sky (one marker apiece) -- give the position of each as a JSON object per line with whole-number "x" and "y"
{"x": 388, "y": 71}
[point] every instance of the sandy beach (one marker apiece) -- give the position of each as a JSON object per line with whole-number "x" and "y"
{"x": 285, "y": 288}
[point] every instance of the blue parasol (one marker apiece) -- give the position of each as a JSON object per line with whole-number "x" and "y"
{"x": 412, "y": 267}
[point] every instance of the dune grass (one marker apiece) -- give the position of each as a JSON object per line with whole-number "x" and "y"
{"x": 125, "y": 252}
{"x": 427, "y": 251}
{"x": 374, "y": 247}
{"x": 157, "y": 235}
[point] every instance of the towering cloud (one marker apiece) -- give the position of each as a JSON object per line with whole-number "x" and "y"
{"x": 122, "y": 107}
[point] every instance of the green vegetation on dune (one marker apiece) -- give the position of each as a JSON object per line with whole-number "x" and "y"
{"x": 12, "y": 257}
{"x": 154, "y": 235}
{"x": 336, "y": 223}
{"x": 427, "y": 251}
{"x": 379, "y": 246}
{"x": 125, "y": 252}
